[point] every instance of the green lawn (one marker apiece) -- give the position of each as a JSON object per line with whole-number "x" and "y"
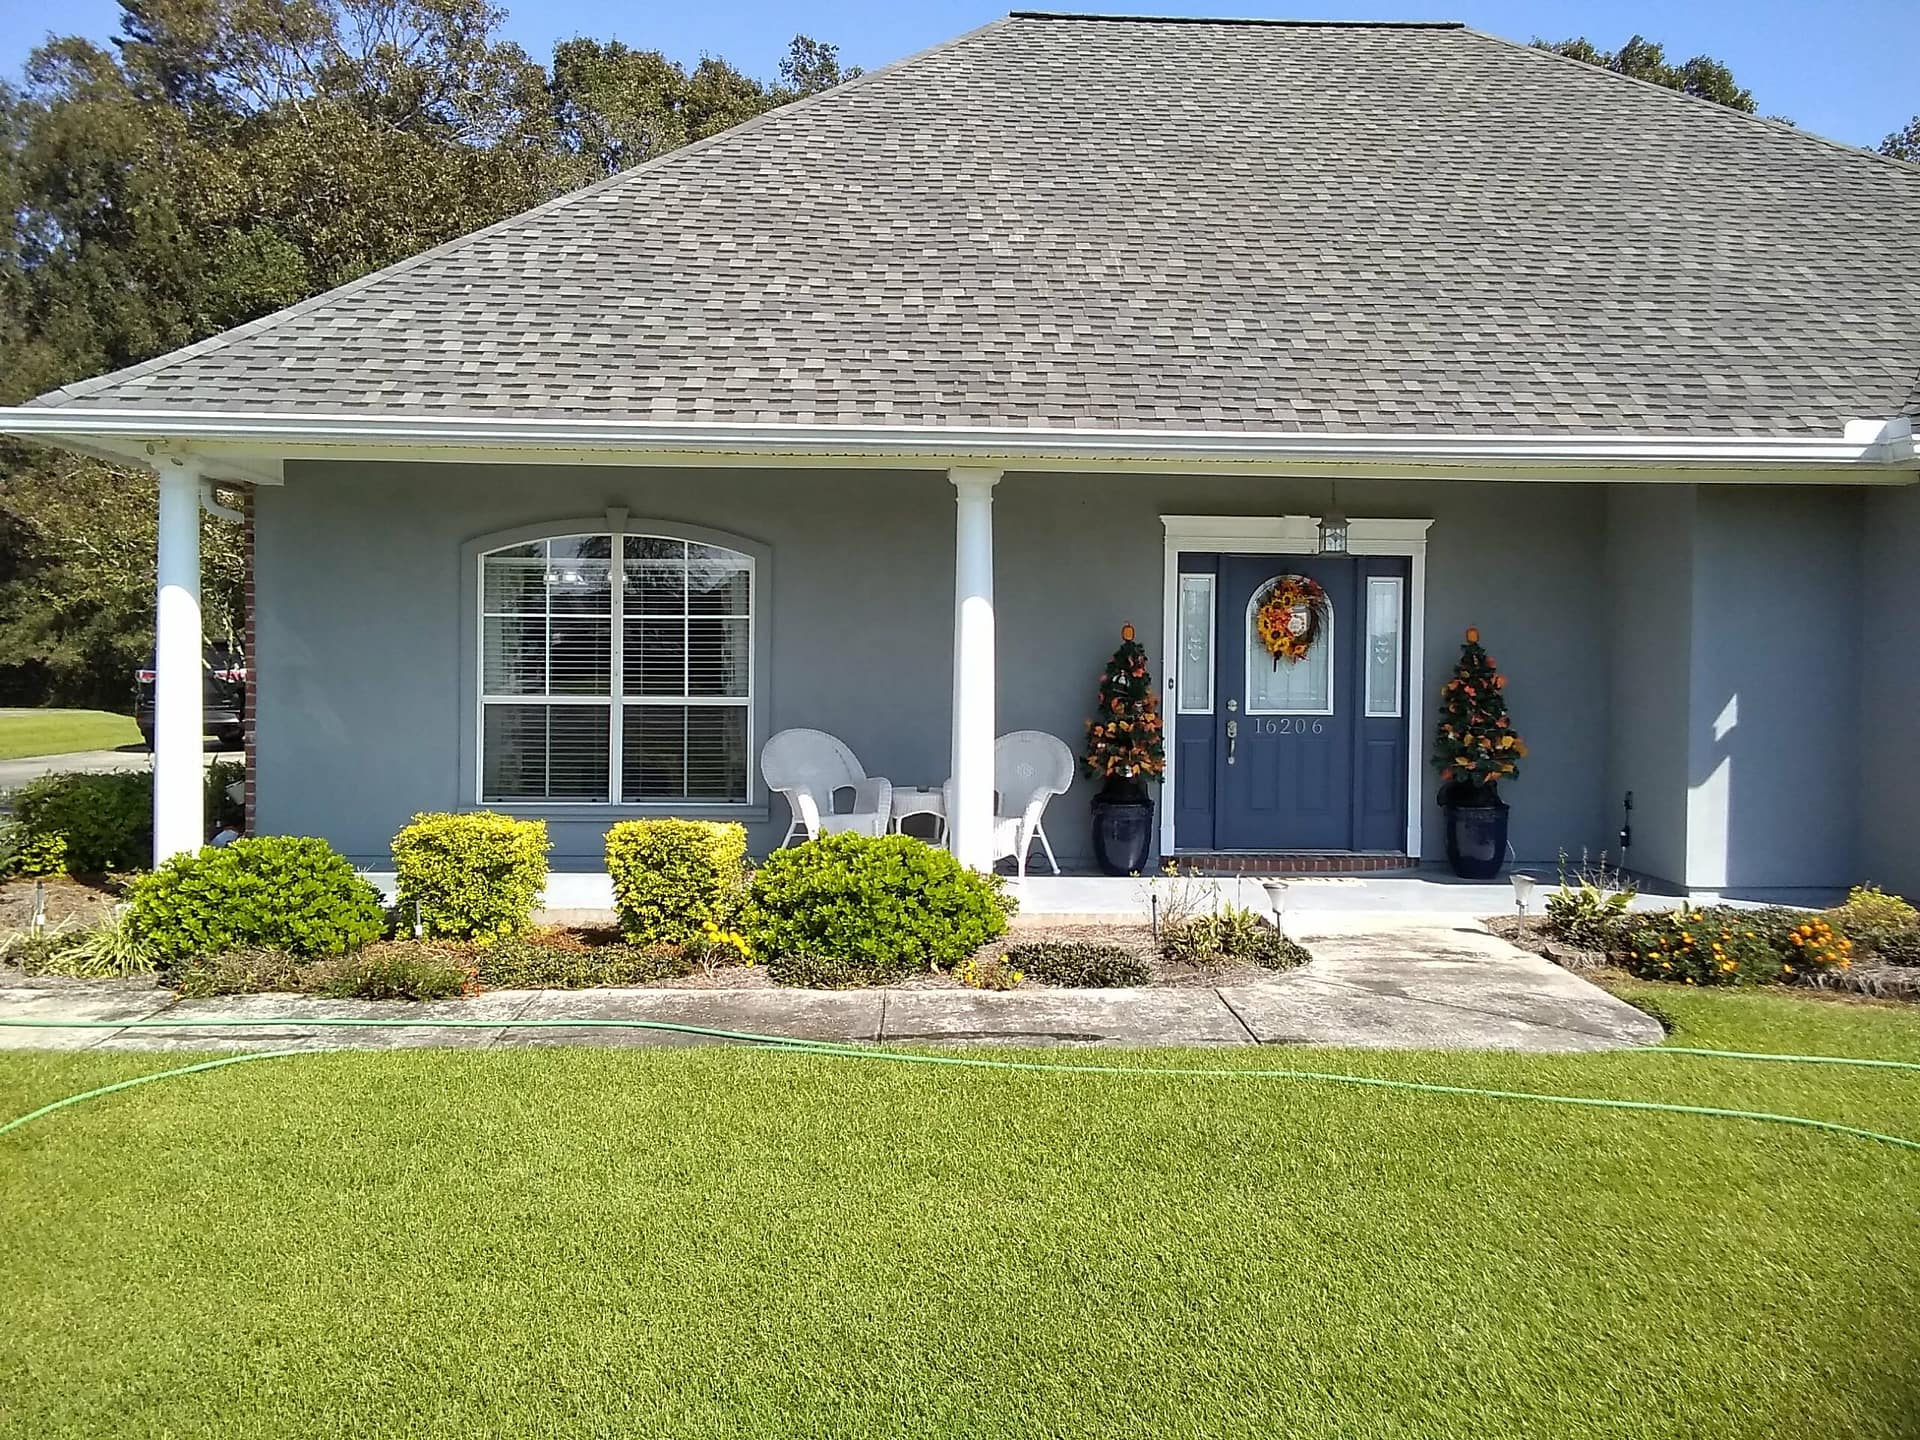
{"x": 737, "y": 1243}
{"x": 61, "y": 732}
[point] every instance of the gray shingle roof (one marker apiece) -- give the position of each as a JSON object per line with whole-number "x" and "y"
{"x": 1082, "y": 222}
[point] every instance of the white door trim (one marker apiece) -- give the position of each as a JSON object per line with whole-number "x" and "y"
{"x": 1292, "y": 535}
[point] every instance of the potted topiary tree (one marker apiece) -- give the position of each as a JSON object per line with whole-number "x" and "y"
{"x": 1475, "y": 747}
{"x": 1125, "y": 750}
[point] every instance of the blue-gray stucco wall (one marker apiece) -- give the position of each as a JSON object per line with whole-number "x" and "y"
{"x": 1889, "y": 769}
{"x": 360, "y": 592}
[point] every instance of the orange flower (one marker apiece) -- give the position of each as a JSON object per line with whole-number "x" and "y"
{"x": 1473, "y": 635}
{"x": 1126, "y": 632}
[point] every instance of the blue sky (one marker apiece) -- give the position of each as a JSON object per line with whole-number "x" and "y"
{"x": 1843, "y": 68}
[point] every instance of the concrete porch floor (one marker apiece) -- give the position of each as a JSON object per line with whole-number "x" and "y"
{"x": 1433, "y": 983}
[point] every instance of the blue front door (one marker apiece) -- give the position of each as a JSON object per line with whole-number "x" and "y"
{"x": 1306, "y": 754}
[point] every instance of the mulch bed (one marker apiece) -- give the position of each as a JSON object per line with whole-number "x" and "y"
{"x": 1533, "y": 933}
{"x": 1137, "y": 937}
{"x": 83, "y": 901}
{"x": 1130, "y": 935}
{"x": 1867, "y": 977}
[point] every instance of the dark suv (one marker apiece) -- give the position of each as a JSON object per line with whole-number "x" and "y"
{"x": 223, "y": 691}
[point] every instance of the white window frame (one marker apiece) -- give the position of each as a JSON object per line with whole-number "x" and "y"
{"x": 1397, "y": 710}
{"x": 1325, "y": 644}
{"x": 616, "y": 525}
{"x": 1183, "y": 704}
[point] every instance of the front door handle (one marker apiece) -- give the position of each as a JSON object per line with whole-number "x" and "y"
{"x": 1233, "y": 734}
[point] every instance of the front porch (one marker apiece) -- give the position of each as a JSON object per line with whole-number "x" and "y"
{"x": 917, "y": 615}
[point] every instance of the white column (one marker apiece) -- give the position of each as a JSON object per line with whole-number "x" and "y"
{"x": 179, "y": 816}
{"x": 970, "y": 826}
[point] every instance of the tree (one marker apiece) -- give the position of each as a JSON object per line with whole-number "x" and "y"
{"x": 1475, "y": 746}
{"x": 1643, "y": 59}
{"x": 812, "y": 66}
{"x": 1124, "y": 742}
{"x": 231, "y": 157}
{"x": 1904, "y": 144}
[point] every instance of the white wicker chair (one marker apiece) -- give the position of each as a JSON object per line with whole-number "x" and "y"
{"x": 1030, "y": 767}
{"x": 808, "y": 766}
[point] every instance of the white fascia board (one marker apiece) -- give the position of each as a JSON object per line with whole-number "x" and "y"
{"x": 255, "y": 439}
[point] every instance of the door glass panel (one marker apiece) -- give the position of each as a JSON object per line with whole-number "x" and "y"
{"x": 1288, "y": 687}
{"x": 1194, "y": 686}
{"x": 1383, "y": 646}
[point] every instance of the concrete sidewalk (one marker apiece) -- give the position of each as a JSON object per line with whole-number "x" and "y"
{"x": 1431, "y": 985}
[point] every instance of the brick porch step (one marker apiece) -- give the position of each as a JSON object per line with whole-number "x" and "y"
{"x": 1304, "y": 862}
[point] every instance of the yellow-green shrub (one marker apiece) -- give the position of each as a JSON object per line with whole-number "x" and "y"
{"x": 473, "y": 877}
{"x": 1884, "y": 924}
{"x": 672, "y": 876}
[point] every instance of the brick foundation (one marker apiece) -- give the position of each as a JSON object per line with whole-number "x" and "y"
{"x": 1311, "y": 863}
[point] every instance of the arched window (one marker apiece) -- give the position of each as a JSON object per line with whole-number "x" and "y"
{"x": 615, "y": 668}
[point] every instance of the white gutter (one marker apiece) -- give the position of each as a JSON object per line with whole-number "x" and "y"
{"x": 1871, "y": 444}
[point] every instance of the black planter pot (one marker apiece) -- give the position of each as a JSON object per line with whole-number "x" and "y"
{"x": 1477, "y": 840}
{"x": 1122, "y": 829}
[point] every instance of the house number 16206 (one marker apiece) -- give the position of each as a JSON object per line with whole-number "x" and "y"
{"x": 1289, "y": 725}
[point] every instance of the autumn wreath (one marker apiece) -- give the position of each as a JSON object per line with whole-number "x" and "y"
{"x": 1291, "y": 618}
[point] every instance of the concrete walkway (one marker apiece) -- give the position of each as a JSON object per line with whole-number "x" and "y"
{"x": 1433, "y": 984}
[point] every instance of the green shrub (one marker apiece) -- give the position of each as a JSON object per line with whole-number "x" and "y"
{"x": 1899, "y": 947}
{"x": 817, "y": 972}
{"x": 238, "y": 972}
{"x": 1589, "y": 916}
{"x": 471, "y": 877}
{"x": 1216, "y": 938}
{"x": 400, "y": 970}
{"x": 34, "y": 952}
{"x": 883, "y": 906}
{"x": 1271, "y": 950}
{"x": 224, "y": 813}
{"x": 992, "y": 973}
{"x": 1075, "y": 962}
{"x": 1721, "y": 945}
{"x": 81, "y": 824}
{"x": 528, "y": 965}
{"x": 106, "y": 949}
{"x": 270, "y": 892}
{"x": 110, "y": 947}
{"x": 672, "y": 876}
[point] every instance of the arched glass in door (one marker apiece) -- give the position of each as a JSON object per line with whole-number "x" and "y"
{"x": 1288, "y": 687}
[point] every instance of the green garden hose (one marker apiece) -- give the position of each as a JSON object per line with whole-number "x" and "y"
{"x": 862, "y": 1052}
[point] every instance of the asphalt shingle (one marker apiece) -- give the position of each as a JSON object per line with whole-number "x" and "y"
{"x": 1082, "y": 222}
